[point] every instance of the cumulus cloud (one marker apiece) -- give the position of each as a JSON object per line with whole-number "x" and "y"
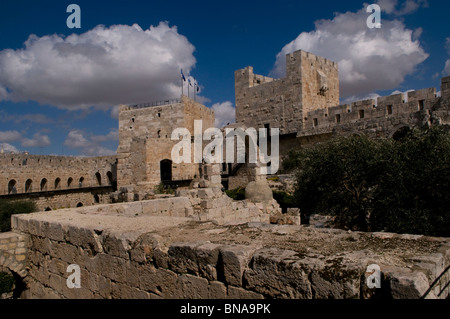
{"x": 407, "y": 7}
{"x": 38, "y": 140}
{"x": 225, "y": 113}
{"x": 101, "y": 67}
{"x": 8, "y": 148}
{"x": 90, "y": 145}
{"x": 115, "y": 112}
{"x": 369, "y": 59}
{"x": 446, "y": 71}
{"x": 447, "y": 68}
{"x": 20, "y": 118}
{"x": 10, "y": 136}
{"x": 113, "y": 135}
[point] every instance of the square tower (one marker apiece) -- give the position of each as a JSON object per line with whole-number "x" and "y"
{"x": 311, "y": 83}
{"x": 145, "y": 131}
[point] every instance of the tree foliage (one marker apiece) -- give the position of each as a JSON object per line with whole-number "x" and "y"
{"x": 369, "y": 184}
{"x": 9, "y": 208}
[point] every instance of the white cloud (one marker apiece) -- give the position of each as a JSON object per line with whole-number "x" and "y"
{"x": 369, "y": 59}
{"x": 76, "y": 139}
{"x": 38, "y": 140}
{"x": 101, "y": 67}
{"x": 10, "y": 136}
{"x": 115, "y": 112}
{"x": 446, "y": 71}
{"x": 225, "y": 113}
{"x": 351, "y": 99}
{"x": 447, "y": 68}
{"x": 90, "y": 145}
{"x": 407, "y": 7}
{"x": 8, "y": 148}
{"x": 19, "y": 118}
{"x": 113, "y": 135}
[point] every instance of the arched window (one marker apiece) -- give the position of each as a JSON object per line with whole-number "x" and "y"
{"x": 28, "y": 186}
{"x": 81, "y": 181}
{"x": 43, "y": 184}
{"x": 58, "y": 183}
{"x": 12, "y": 187}
{"x": 96, "y": 199}
{"x": 110, "y": 178}
{"x": 80, "y": 204}
{"x": 69, "y": 182}
{"x": 98, "y": 177}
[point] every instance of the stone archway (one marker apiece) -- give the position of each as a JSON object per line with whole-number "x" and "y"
{"x": 12, "y": 187}
{"x": 400, "y": 132}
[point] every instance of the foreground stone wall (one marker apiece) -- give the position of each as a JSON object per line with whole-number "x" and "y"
{"x": 13, "y": 252}
{"x": 158, "y": 257}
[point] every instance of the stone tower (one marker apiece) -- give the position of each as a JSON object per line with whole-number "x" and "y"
{"x": 144, "y": 152}
{"x": 311, "y": 83}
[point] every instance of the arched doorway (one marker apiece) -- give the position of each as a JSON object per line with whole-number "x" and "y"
{"x": 80, "y": 204}
{"x": 58, "y": 183}
{"x": 28, "y": 186}
{"x": 110, "y": 178}
{"x": 98, "y": 177}
{"x": 401, "y": 132}
{"x": 43, "y": 184}
{"x": 12, "y": 187}
{"x": 166, "y": 170}
{"x": 69, "y": 182}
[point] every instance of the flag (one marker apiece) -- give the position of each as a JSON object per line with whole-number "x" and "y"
{"x": 198, "y": 88}
{"x": 182, "y": 76}
{"x": 190, "y": 83}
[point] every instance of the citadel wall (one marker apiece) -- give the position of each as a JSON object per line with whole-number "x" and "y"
{"x": 57, "y": 181}
{"x": 305, "y": 105}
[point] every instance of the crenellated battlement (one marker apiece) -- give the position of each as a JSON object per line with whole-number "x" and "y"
{"x": 377, "y": 116}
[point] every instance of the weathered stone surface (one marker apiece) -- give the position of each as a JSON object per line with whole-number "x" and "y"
{"x": 406, "y": 284}
{"x": 259, "y": 192}
{"x": 210, "y": 260}
{"x": 278, "y": 273}
{"x": 233, "y": 262}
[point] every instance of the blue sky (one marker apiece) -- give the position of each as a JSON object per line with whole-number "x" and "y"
{"x": 60, "y": 87}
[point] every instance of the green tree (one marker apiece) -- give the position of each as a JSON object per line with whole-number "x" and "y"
{"x": 378, "y": 184}
{"x": 9, "y": 208}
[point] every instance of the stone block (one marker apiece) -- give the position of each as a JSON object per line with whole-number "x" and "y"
{"x": 205, "y": 193}
{"x": 207, "y": 256}
{"x": 405, "y": 284}
{"x": 161, "y": 282}
{"x": 238, "y": 293}
{"x": 183, "y": 257}
{"x": 278, "y": 274}
{"x": 233, "y": 261}
{"x": 123, "y": 291}
{"x": 217, "y": 290}
{"x": 192, "y": 287}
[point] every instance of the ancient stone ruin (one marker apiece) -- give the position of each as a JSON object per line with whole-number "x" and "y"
{"x": 139, "y": 225}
